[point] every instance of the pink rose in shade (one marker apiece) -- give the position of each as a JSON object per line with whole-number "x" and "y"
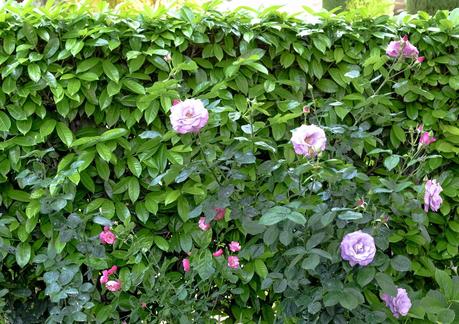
{"x": 399, "y": 305}
{"x": 143, "y": 305}
{"x": 218, "y": 253}
{"x": 112, "y": 270}
{"x": 234, "y": 246}
{"x": 393, "y": 49}
{"x": 426, "y": 139}
{"x": 233, "y": 262}
{"x": 308, "y": 140}
{"x": 203, "y": 225}
{"x": 113, "y": 285}
{"x": 176, "y": 102}
{"x": 186, "y": 265}
{"x": 409, "y": 50}
{"x": 188, "y": 116}
{"x": 358, "y": 248}
{"x": 432, "y": 198}
{"x": 420, "y": 59}
{"x": 104, "y": 278}
{"x": 107, "y": 236}
{"x": 220, "y": 213}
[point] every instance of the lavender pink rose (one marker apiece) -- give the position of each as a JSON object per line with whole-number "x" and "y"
{"x": 308, "y": 140}
{"x": 432, "y": 198}
{"x": 399, "y": 305}
{"x": 358, "y": 248}
{"x": 188, "y": 116}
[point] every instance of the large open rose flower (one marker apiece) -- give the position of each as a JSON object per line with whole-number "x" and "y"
{"x": 358, "y": 248}
{"x": 398, "y": 305}
{"x": 402, "y": 47}
{"x": 308, "y": 140}
{"x": 432, "y": 198}
{"x": 188, "y": 116}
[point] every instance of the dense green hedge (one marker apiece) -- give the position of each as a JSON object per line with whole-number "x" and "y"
{"x": 87, "y": 143}
{"x": 413, "y": 6}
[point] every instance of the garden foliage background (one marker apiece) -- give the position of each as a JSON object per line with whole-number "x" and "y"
{"x": 87, "y": 143}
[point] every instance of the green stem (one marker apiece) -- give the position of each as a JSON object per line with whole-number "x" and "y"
{"x": 201, "y": 151}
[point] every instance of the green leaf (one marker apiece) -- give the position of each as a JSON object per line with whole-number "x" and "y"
{"x": 134, "y": 166}
{"x": 445, "y": 282}
{"x": 104, "y": 152}
{"x": 386, "y": 284}
{"x": 391, "y": 162}
{"x": 133, "y": 189}
{"x": 23, "y": 252}
{"x": 327, "y": 86}
{"x": 111, "y": 70}
{"x": 311, "y": 262}
{"x": 161, "y": 243}
{"x": 134, "y": 86}
{"x": 365, "y": 276}
{"x": 5, "y": 122}
{"x": 34, "y": 72}
{"x": 275, "y": 215}
{"x": 113, "y": 134}
{"x": 350, "y": 215}
{"x": 64, "y": 133}
{"x": 401, "y": 263}
{"x": 203, "y": 264}
{"x": 260, "y": 268}
{"x": 296, "y": 218}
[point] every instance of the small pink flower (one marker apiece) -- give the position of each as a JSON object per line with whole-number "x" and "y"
{"x": 220, "y": 213}
{"x": 233, "y": 262}
{"x": 234, "y": 246}
{"x": 420, "y": 59}
{"x": 218, "y": 253}
{"x": 393, "y": 49}
{"x": 419, "y": 128}
{"x": 143, "y": 305}
{"x": 176, "y": 102}
{"x": 432, "y": 198}
{"x": 426, "y": 139}
{"x": 104, "y": 277}
{"x": 112, "y": 270}
{"x": 405, "y": 38}
{"x": 361, "y": 203}
{"x": 203, "y": 225}
{"x": 168, "y": 57}
{"x": 409, "y": 50}
{"x": 306, "y": 110}
{"x": 113, "y": 285}
{"x": 186, "y": 265}
{"x": 107, "y": 236}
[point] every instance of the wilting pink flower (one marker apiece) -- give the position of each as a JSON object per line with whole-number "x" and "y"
{"x": 143, "y": 305}
{"x": 234, "y": 246}
{"x": 409, "y": 50}
{"x": 186, "y": 265}
{"x": 168, "y": 57}
{"x": 218, "y": 253}
{"x": 202, "y": 224}
{"x": 189, "y": 116}
{"x": 176, "y": 102}
{"x": 358, "y": 248}
{"x": 308, "y": 140}
{"x": 220, "y": 213}
{"x": 112, "y": 270}
{"x": 393, "y": 49}
{"x": 420, "y": 59}
{"x": 233, "y": 262}
{"x": 432, "y": 198}
{"x": 426, "y": 139}
{"x": 113, "y": 285}
{"x": 419, "y": 128}
{"x": 107, "y": 236}
{"x": 398, "y": 305}
{"x": 405, "y": 38}
{"x": 306, "y": 110}
{"x": 361, "y": 203}
{"x": 104, "y": 278}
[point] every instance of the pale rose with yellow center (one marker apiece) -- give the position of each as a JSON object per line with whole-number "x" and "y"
{"x": 188, "y": 116}
{"x": 308, "y": 140}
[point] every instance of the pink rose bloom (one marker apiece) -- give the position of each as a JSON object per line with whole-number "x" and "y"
{"x": 409, "y": 50}
{"x": 426, "y": 139}
{"x": 358, "y": 248}
{"x": 220, "y": 213}
{"x": 233, "y": 262}
{"x": 186, "y": 265}
{"x": 188, "y": 116}
{"x": 432, "y": 198}
{"x": 420, "y": 59}
{"x": 104, "y": 277}
{"x": 112, "y": 270}
{"x": 113, "y": 285}
{"x": 306, "y": 110}
{"x": 398, "y": 305}
{"x": 218, "y": 253}
{"x": 107, "y": 236}
{"x": 234, "y": 246}
{"x": 203, "y": 225}
{"x": 308, "y": 140}
{"x": 393, "y": 49}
